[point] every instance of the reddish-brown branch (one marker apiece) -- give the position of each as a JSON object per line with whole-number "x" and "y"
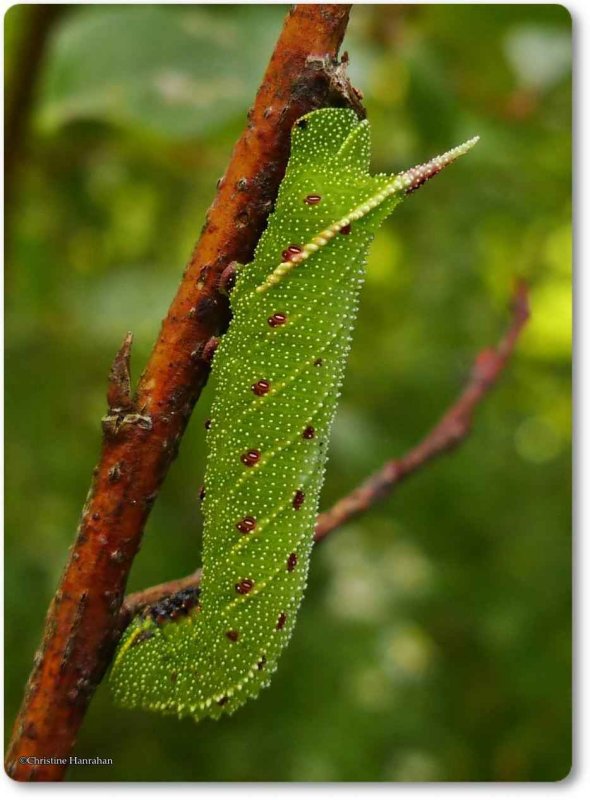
{"x": 453, "y": 427}
{"x": 142, "y": 434}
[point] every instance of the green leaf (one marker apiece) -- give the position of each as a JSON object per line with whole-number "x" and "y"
{"x": 178, "y": 72}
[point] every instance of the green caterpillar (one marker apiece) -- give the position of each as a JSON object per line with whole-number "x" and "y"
{"x": 278, "y": 372}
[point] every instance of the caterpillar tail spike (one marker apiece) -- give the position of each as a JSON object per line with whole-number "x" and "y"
{"x": 278, "y": 372}
{"x": 405, "y": 183}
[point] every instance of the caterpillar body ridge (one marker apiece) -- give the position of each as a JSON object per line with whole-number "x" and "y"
{"x": 278, "y": 372}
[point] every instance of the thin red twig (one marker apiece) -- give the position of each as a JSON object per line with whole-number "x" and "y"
{"x": 453, "y": 427}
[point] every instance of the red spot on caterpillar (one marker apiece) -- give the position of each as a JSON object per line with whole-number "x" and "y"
{"x": 233, "y": 636}
{"x": 245, "y": 586}
{"x": 291, "y": 562}
{"x": 261, "y": 388}
{"x": 345, "y": 230}
{"x": 292, "y": 250}
{"x": 313, "y": 199}
{"x": 277, "y": 319}
{"x": 309, "y": 432}
{"x": 250, "y": 457}
{"x": 281, "y": 621}
{"x": 246, "y": 525}
{"x": 207, "y": 424}
{"x": 298, "y": 499}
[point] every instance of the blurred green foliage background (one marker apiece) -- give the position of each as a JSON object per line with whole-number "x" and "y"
{"x": 434, "y": 642}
